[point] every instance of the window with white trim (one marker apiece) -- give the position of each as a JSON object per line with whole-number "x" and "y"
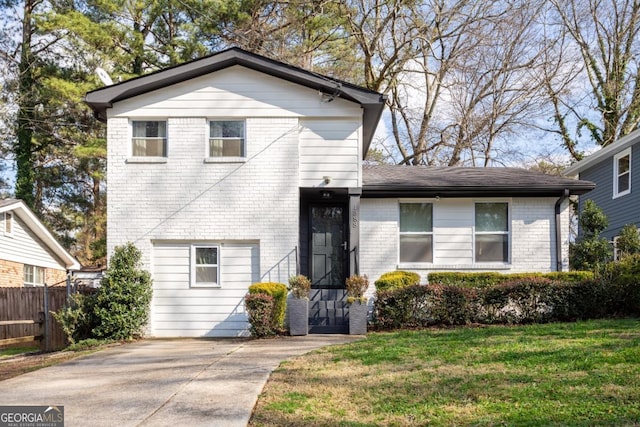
{"x": 622, "y": 173}
{"x": 416, "y": 232}
{"x": 226, "y": 138}
{"x": 8, "y": 224}
{"x": 149, "y": 138}
{"x": 33, "y": 275}
{"x": 491, "y": 233}
{"x": 205, "y": 265}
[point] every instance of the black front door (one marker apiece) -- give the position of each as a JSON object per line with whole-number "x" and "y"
{"x": 328, "y": 267}
{"x": 328, "y": 247}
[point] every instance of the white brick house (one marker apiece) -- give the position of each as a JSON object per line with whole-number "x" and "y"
{"x": 234, "y": 169}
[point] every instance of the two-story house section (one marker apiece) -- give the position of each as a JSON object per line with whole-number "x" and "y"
{"x": 234, "y": 169}
{"x": 616, "y": 171}
{"x": 229, "y": 170}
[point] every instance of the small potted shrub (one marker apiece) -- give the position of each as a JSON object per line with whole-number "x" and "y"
{"x": 358, "y": 309}
{"x": 300, "y": 286}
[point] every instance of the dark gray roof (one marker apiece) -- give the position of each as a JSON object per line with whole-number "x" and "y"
{"x": 421, "y": 181}
{"x": 372, "y": 102}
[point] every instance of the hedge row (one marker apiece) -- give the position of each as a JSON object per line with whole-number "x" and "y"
{"x": 475, "y": 280}
{"x": 266, "y": 315}
{"x": 517, "y": 300}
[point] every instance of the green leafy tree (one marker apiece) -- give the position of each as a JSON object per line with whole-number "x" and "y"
{"x": 628, "y": 241}
{"x": 590, "y": 251}
{"x": 122, "y": 302}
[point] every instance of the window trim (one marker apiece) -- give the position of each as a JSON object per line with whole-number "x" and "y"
{"x": 508, "y": 233}
{"x": 193, "y": 264}
{"x": 8, "y": 223}
{"x": 416, "y": 233}
{"x": 225, "y": 159}
{"x": 151, "y": 159}
{"x": 35, "y": 268}
{"x": 616, "y": 173}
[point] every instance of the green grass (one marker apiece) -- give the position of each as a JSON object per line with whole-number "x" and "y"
{"x": 14, "y": 351}
{"x": 565, "y": 374}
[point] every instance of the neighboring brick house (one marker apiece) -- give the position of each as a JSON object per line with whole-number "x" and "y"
{"x": 616, "y": 171}
{"x": 29, "y": 254}
{"x": 234, "y": 169}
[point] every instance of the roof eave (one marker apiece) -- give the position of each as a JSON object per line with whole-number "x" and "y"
{"x": 385, "y": 191}
{"x": 595, "y": 158}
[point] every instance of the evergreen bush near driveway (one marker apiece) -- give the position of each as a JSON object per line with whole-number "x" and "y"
{"x": 279, "y": 293}
{"x": 260, "y": 308}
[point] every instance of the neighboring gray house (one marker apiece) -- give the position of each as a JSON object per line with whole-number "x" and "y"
{"x": 234, "y": 169}
{"x": 615, "y": 170}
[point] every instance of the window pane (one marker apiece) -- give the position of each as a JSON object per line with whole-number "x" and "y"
{"x": 623, "y": 183}
{"x": 28, "y": 274}
{"x": 149, "y": 129}
{"x": 416, "y": 217}
{"x": 492, "y": 217}
{"x": 39, "y": 275}
{"x": 206, "y": 256}
{"x": 206, "y": 274}
{"x": 623, "y": 165}
{"x": 416, "y": 248}
{"x": 492, "y": 248}
{"x": 225, "y": 148}
{"x": 226, "y": 129}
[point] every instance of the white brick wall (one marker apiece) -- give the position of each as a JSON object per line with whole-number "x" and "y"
{"x": 189, "y": 200}
{"x": 532, "y": 239}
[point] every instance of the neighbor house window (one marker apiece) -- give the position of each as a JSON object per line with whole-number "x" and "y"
{"x": 491, "y": 232}
{"x": 205, "y": 265}
{"x": 226, "y": 138}
{"x": 416, "y": 232}
{"x": 622, "y": 173}
{"x": 8, "y": 224}
{"x": 149, "y": 138}
{"x": 33, "y": 276}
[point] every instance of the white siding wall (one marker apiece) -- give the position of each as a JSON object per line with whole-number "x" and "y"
{"x": 181, "y": 310}
{"x": 532, "y": 237}
{"x": 25, "y": 247}
{"x": 185, "y": 199}
{"x": 234, "y": 92}
{"x": 330, "y": 148}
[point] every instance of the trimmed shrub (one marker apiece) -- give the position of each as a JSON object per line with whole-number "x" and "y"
{"x": 260, "y": 308}
{"x": 407, "y": 307}
{"x": 279, "y": 293}
{"x": 396, "y": 280}
{"x": 622, "y": 283}
{"x": 452, "y": 305}
{"x": 121, "y": 306}
{"x": 480, "y": 280}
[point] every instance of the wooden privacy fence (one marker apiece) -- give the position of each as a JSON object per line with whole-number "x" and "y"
{"x": 25, "y": 316}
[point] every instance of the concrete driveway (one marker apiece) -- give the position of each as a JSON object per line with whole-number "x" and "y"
{"x": 182, "y": 382}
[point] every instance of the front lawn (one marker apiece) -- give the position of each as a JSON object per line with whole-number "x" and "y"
{"x": 577, "y": 374}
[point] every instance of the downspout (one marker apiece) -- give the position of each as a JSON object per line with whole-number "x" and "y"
{"x": 565, "y": 196}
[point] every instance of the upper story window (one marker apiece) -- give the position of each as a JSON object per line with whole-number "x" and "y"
{"x": 226, "y": 138}
{"x": 33, "y": 276}
{"x": 491, "y": 236}
{"x": 149, "y": 138}
{"x": 205, "y": 265}
{"x": 8, "y": 224}
{"x": 622, "y": 173}
{"x": 416, "y": 232}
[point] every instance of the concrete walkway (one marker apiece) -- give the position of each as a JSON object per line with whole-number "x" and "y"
{"x": 182, "y": 382}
